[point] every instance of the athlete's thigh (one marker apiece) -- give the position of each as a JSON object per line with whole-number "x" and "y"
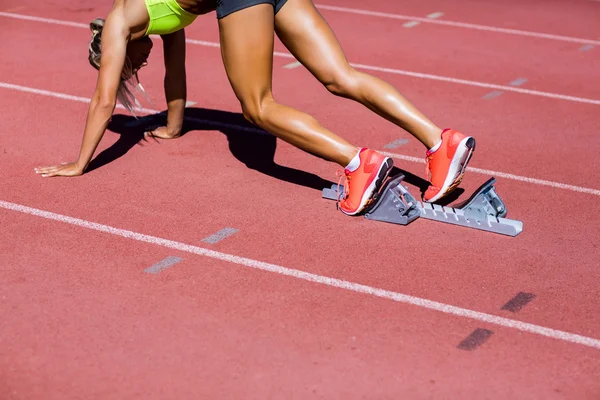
{"x": 306, "y": 34}
{"x": 247, "y": 38}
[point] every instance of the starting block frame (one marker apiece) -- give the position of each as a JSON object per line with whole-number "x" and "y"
{"x": 484, "y": 210}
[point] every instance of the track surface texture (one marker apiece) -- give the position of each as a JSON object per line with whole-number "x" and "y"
{"x": 210, "y": 267}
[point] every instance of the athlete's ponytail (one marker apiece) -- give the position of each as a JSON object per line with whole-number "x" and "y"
{"x": 129, "y": 79}
{"x": 95, "y": 48}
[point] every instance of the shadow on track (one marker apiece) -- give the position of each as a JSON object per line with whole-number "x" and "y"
{"x": 251, "y": 145}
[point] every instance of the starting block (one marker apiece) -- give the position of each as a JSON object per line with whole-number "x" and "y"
{"x": 484, "y": 210}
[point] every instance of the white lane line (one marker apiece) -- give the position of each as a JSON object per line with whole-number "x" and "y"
{"x": 364, "y": 12}
{"x": 496, "y": 93}
{"x": 45, "y": 20}
{"x": 535, "y": 181}
{"x": 143, "y": 110}
{"x": 293, "y": 65}
{"x": 307, "y": 276}
{"x": 518, "y": 32}
{"x": 372, "y": 68}
{"x": 203, "y": 43}
{"x": 478, "y": 84}
{"x": 63, "y": 96}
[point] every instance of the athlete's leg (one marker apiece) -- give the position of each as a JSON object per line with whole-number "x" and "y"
{"x": 309, "y": 38}
{"x": 247, "y": 38}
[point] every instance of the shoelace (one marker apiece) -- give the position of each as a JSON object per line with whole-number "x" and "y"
{"x": 428, "y": 158}
{"x": 342, "y": 175}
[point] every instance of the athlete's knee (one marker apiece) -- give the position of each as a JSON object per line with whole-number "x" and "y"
{"x": 255, "y": 109}
{"x": 254, "y": 112}
{"x": 343, "y": 83}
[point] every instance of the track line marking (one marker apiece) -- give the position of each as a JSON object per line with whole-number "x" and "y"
{"x": 496, "y": 93}
{"x": 410, "y": 24}
{"x": 526, "y": 179}
{"x": 222, "y": 234}
{"x": 478, "y": 337}
{"x": 204, "y": 43}
{"x": 368, "y": 67}
{"x": 498, "y": 174}
{"x": 518, "y": 82}
{"x": 477, "y": 84}
{"x": 63, "y": 96}
{"x": 396, "y": 143}
{"x": 164, "y": 264}
{"x": 44, "y": 20}
{"x": 435, "y": 15}
{"x": 517, "y": 32}
{"x": 517, "y": 303}
{"x": 310, "y": 277}
{"x": 293, "y": 65}
{"x": 493, "y": 94}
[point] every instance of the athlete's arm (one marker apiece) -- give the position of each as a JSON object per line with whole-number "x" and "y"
{"x": 114, "y": 48}
{"x": 174, "y": 83}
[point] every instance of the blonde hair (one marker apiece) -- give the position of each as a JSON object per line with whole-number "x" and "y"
{"x": 129, "y": 80}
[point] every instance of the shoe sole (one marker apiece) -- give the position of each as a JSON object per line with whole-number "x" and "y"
{"x": 367, "y": 197}
{"x": 456, "y": 172}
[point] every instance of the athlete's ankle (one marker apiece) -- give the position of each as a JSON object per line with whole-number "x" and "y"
{"x": 349, "y": 156}
{"x": 434, "y": 138}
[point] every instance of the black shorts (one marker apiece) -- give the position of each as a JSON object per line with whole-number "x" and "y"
{"x": 226, "y": 7}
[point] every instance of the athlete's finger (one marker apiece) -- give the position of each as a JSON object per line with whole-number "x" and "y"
{"x": 49, "y": 174}
{"x": 44, "y": 170}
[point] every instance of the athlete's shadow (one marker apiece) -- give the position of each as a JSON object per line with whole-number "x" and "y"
{"x": 249, "y": 144}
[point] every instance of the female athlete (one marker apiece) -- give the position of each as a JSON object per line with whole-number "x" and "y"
{"x": 121, "y": 45}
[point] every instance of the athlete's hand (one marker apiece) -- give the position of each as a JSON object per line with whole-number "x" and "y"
{"x": 64, "y": 169}
{"x": 163, "y": 133}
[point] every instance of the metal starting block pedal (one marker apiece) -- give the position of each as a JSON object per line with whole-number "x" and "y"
{"x": 484, "y": 210}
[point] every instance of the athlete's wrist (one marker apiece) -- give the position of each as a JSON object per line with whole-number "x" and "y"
{"x": 174, "y": 131}
{"x": 81, "y": 165}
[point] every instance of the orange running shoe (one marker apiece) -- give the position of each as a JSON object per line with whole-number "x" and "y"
{"x": 365, "y": 181}
{"x": 446, "y": 165}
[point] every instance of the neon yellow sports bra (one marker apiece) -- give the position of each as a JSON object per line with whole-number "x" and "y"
{"x": 166, "y": 16}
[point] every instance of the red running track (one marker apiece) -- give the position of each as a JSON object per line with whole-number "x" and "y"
{"x": 79, "y": 301}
